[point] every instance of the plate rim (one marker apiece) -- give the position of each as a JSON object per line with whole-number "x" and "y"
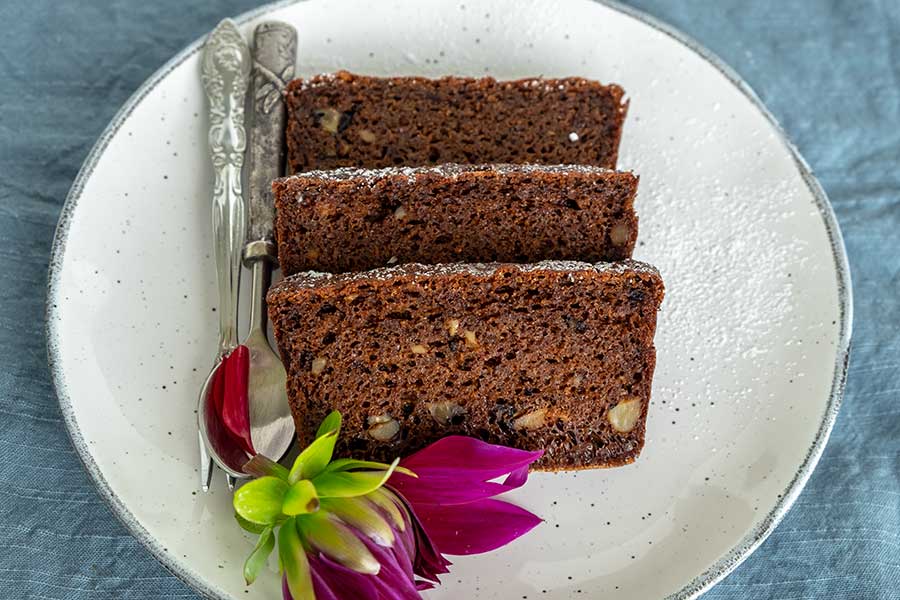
{"x": 724, "y": 565}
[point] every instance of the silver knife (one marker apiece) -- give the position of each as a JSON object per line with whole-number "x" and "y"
{"x": 224, "y": 73}
{"x": 274, "y": 57}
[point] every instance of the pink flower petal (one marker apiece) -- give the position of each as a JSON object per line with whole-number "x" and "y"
{"x": 478, "y": 527}
{"x": 235, "y": 403}
{"x": 221, "y": 439}
{"x": 429, "y": 562}
{"x": 332, "y": 580}
{"x": 468, "y": 458}
{"x": 406, "y": 539}
{"x": 444, "y": 490}
{"x": 404, "y": 559}
{"x": 456, "y": 470}
{"x": 394, "y": 581}
{"x": 321, "y": 588}
{"x": 517, "y": 478}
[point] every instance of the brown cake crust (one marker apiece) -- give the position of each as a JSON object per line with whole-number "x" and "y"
{"x": 347, "y": 120}
{"x": 355, "y": 219}
{"x": 556, "y": 356}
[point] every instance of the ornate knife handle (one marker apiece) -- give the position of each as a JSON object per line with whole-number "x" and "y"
{"x": 224, "y": 74}
{"x": 275, "y": 54}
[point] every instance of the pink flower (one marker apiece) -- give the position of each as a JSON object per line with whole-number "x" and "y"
{"x": 348, "y": 529}
{"x": 447, "y": 508}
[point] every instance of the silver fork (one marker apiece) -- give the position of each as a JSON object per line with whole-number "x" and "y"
{"x": 224, "y": 73}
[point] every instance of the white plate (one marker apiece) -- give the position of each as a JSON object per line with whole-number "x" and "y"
{"x": 752, "y": 339}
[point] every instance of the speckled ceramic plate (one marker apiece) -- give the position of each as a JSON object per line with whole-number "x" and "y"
{"x": 752, "y": 339}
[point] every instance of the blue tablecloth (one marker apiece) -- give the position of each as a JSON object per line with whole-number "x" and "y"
{"x": 828, "y": 69}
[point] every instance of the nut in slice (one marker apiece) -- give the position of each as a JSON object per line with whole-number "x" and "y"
{"x": 471, "y": 339}
{"x": 532, "y": 420}
{"x": 447, "y": 412}
{"x": 318, "y": 365}
{"x": 383, "y": 428}
{"x": 452, "y": 326}
{"x": 620, "y": 234}
{"x": 329, "y": 119}
{"x": 624, "y": 415}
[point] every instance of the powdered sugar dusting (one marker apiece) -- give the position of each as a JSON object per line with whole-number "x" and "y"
{"x": 446, "y": 170}
{"x": 321, "y": 80}
{"x": 314, "y": 279}
{"x": 539, "y": 84}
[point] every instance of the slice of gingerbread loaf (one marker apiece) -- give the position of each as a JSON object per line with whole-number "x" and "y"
{"x": 353, "y": 219}
{"x": 556, "y": 356}
{"x": 346, "y": 120}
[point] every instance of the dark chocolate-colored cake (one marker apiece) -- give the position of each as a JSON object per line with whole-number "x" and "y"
{"x": 556, "y": 356}
{"x": 346, "y": 120}
{"x": 353, "y": 220}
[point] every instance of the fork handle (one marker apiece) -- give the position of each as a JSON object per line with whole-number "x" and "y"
{"x": 228, "y": 231}
{"x": 224, "y": 72}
